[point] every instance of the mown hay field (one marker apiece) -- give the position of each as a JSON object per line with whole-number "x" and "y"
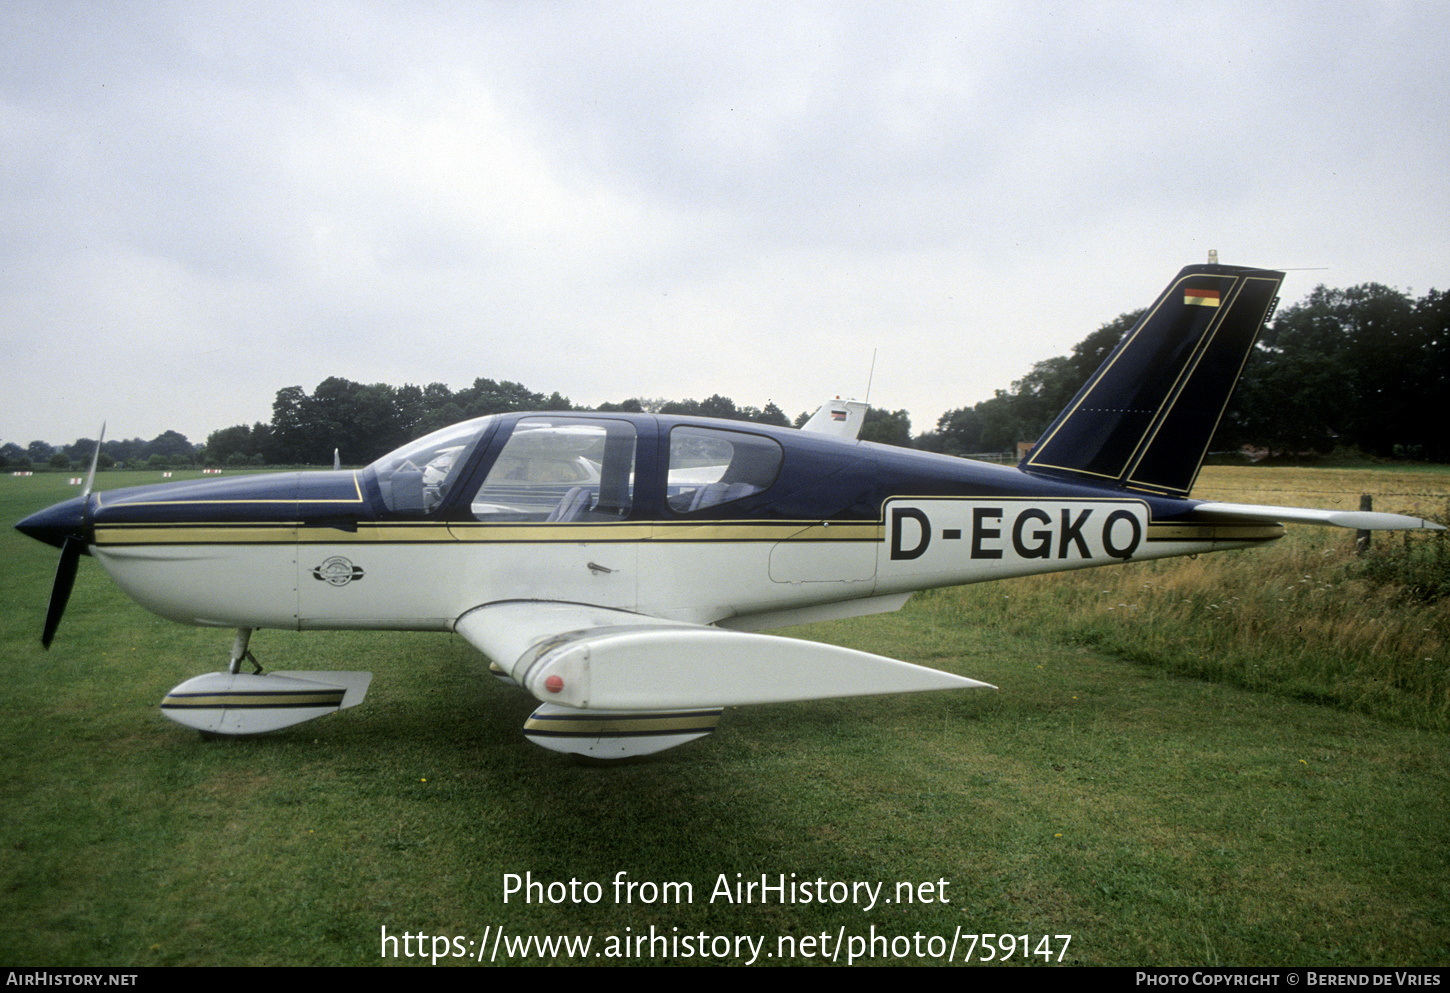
{"x": 1306, "y": 616}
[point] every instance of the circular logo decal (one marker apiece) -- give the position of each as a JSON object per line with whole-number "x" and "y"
{"x": 337, "y": 571}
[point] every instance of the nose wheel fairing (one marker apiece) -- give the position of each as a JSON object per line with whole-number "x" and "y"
{"x": 241, "y": 703}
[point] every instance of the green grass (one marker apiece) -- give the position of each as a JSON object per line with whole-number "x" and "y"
{"x": 1157, "y": 818}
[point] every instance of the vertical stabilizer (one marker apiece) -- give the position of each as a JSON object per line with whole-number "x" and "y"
{"x": 1145, "y": 418}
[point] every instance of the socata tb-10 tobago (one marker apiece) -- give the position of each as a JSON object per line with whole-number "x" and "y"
{"x": 620, "y": 566}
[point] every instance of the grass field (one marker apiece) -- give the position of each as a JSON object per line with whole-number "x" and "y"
{"x": 1184, "y": 765}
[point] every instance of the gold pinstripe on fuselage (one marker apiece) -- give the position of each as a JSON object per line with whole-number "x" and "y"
{"x": 247, "y": 533}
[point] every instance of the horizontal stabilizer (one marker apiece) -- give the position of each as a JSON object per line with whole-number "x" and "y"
{"x": 838, "y": 418}
{"x": 234, "y": 703}
{"x": 602, "y": 659}
{"x": 1360, "y": 520}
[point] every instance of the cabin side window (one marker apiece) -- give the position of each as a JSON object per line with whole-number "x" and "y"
{"x": 709, "y": 467}
{"x": 560, "y": 470}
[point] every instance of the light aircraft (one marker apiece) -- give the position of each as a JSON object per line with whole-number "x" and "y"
{"x": 620, "y": 567}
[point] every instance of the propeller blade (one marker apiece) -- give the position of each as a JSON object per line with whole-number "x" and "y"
{"x": 65, "y": 577}
{"x": 95, "y": 457}
{"x": 69, "y": 526}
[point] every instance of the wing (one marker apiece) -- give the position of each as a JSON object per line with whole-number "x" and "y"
{"x": 598, "y": 658}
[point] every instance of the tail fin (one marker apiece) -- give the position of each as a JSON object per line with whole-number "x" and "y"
{"x": 1145, "y": 418}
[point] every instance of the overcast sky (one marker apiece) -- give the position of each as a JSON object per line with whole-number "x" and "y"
{"x": 202, "y": 203}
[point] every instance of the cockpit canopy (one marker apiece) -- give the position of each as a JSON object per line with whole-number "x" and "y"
{"x": 562, "y": 467}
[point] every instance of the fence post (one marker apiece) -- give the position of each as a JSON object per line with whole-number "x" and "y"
{"x": 1361, "y": 538}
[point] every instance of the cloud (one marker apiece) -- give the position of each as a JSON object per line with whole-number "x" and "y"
{"x": 200, "y": 205}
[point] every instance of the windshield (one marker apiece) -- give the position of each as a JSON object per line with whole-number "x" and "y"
{"x": 414, "y": 479}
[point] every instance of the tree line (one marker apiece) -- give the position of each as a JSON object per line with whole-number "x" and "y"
{"x": 1364, "y": 368}
{"x": 362, "y": 422}
{"x": 168, "y": 450}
